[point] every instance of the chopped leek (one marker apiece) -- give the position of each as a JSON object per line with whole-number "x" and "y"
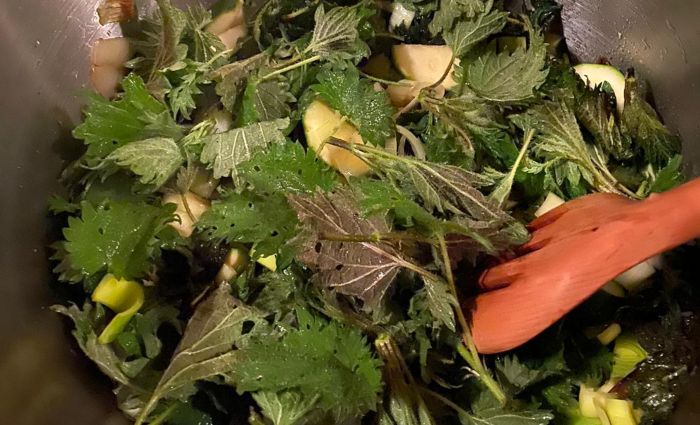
{"x": 628, "y": 354}
{"x": 124, "y": 297}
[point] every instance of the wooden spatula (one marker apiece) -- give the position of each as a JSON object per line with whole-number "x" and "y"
{"x": 574, "y": 250}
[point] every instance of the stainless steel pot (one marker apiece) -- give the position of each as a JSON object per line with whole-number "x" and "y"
{"x": 44, "y": 47}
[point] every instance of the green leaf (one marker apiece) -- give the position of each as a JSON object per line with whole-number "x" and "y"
{"x": 119, "y": 237}
{"x": 322, "y": 361}
{"x": 103, "y": 355}
{"x": 231, "y": 78}
{"x": 642, "y": 122}
{"x": 224, "y": 152}
{"x": 468, "y": 33}
{"x": 160, "y": 46}
{"x": 364, "y": 270}
{"x": 593, "y": 110}
{"x": 442, "y": 146}
{"x": 559, "y": 143}
{"x": 153, "y": 160}
{"x": 369, "y": 111}
{"x": 336, "y": 33}
{"x": 509, "y": 77}
{"x": 519, "y": 375}
{"x": 266, "y": 101}
{"x": 206, "y": 45}
{"x": 135, "y": 115}
{"x": 285, "y": 407}
{"x": 147, "y": 324}
{"x": 265, "y": 221}
{"x": 378, "y": 197}
{"x": 183, "y": 88}
{"x": 436, "y": 296}
{"x": 287, "y": 168}
{"x": 450, "y": 10}
{"x": 205, "y": 351}
{"x": 670, "y": 176}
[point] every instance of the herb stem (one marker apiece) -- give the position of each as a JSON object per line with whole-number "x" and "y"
{"x": 468, "y": 349}
{"x": 288, "y": 68}
{"x": 383, "y": 81}
{"x": 444, "y": 74}
{"x": 160, "y": 419}
{"x": 444, "y": 400}
{"x": 376, "y": 237}
{"x": 298, "y": 12}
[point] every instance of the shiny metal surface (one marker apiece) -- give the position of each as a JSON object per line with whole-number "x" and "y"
{"x": 44, "y": 50}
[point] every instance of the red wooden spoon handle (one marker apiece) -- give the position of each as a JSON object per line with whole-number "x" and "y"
{"x": 549, "y": 282}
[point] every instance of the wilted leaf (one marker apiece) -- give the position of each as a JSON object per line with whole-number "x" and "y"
{"x": 207, "y": 349}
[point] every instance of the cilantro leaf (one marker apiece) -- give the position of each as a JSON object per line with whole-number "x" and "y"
{"x": 336, "y": 33}
{"x": 224, "y": 152}
{"x": 136, "y": 115}
{"x": 450, "y": 10}
{"x": 466, "y": 34}
{"x": 640, "y": 119}
{"x": 354, "y": 98}
{"x": 509, "y": 77}
{"x": 265, "y": 221}
{"x": 287, "y": 168}
{"x": 153, "y": 160}
{"x": 161, "y": 45}
{"x": 218, "y": 324}
{"x": 119, "y": 237}
{"x": 323, "y": 361}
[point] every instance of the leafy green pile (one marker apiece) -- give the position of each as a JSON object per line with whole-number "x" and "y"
{"x": 349, "y": 310}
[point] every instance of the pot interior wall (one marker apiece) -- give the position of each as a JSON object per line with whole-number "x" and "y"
{"x": 45, "y": 45}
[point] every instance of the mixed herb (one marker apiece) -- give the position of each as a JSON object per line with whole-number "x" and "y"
{"x": 283, "y": 229}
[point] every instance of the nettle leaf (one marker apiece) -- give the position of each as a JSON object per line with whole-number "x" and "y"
{"x": 364, "y": 270}
{"x": 378, "y": 197}
{"x": 369, "y": 111}
{"x": 161, "y": 46}
{"x": 206, "y": 45}
{"x": 670, "y": 176}
{"x": 209, "y": 349}
{"x": 323, "y": 361}
{"x": 224, "y": 152}
{"x": 265, "y": 221}
{"x": 103, "y": 355}
{"x": 462, "y": 116}
{"x": 287, "y": 168}
{"x": 450, "y": 10}
{"x": 468, "y": 33}
{"x": 642, "y": 122}
{"x": 437, "y": 298}
{"x": 135, "y": 115}
{"x": 119, "y": 237}
{"x": 336, "y": 33}
{"x": 518, "y": 375}
{"x": 153, "y": 160}
{"x": 510, "y": 77}
{"x": 266, "y": 101}
{"x": 558, "y": 141}
{"x": 232, "y": 78}
{"x": 593, "y": 112}
{"x": 284, "y": 407}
